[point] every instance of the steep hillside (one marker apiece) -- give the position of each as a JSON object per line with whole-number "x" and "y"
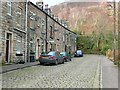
{"x": 86, "y": 17}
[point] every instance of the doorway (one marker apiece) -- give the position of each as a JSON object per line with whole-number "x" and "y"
{"x": 37, "y": 49}
{"x": 8, "y": 46}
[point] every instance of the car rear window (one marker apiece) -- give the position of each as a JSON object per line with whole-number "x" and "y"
{"x": 79, "y": 51}
{"x": 62, "y": 53}
{"x": 51, "y": 53}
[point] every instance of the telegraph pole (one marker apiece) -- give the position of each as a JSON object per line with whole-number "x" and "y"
{"x": 114, "y": 32}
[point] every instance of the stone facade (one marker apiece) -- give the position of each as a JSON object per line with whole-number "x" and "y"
{"x": 36, "y": 30}
{"x": 26, "y": 38}
{"x": 57, "y": 36}
{"x": 0, "y": 34}
{"x": 13, "y": 31}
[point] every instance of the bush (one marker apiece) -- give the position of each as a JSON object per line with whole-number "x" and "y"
{"x": 104, "y": 49}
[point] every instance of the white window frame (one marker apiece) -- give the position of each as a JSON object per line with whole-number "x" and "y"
{"x": 19, "y": 40}
{"x": 31, "y": 39}
{"x": 32, "y": 17}
{"x": 31, "y": 48}
{"x": 9, "y": 7}
{"x": 20, "y": 16}
{"x": 63, "y": 37}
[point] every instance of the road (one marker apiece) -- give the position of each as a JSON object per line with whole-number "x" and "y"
{"x": 83, "y": 72}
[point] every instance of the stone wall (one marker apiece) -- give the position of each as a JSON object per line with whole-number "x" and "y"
{"x": 110, "y": 55}
{"x": 10, "y": 26}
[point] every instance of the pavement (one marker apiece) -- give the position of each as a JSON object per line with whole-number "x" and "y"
{"x": 109, "y": 73}
{"x": 12, "y": 67}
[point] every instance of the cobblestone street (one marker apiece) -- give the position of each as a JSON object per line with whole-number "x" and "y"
{"x": 83, "y": 72}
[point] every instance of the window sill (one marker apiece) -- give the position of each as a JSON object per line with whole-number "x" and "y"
{"x": 18, "y": 25}
{"x": 9, "y": 15}
{"x": 16, "y": 28}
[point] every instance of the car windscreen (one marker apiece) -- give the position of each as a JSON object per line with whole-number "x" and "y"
{"x": 51, "y": 53}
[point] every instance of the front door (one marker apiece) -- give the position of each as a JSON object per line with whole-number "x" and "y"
{"x": 8, "y": 45}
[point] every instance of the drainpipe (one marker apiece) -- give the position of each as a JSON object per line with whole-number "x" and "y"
{"x": 46, "y": 33}
{"x": 46, "y": 9}
{"x": 26, "y": 30}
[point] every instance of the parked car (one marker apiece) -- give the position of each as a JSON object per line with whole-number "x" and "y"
{"x": 78, "y": 53}
{"x": 52, "y": 57}
{"x": 67, "y": 57}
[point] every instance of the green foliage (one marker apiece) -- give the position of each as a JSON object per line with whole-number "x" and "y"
{"x": 95, "y": 43}
{"x": 105, "y": 48}
{"x": 77, "y": 32}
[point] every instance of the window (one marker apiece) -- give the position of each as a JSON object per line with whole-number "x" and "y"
{"x": 42, "y": 25}
{"x": 32, "y": 40}
{"x": 63, "y": 37}
{"x": 19, "y": 45}
{"x": 31, "y": 45}
{"x": 32, "y": 24}
{"x": 9, "y": 7}
{"x": 66, "y": 37}
{"x": 38, "y": 21}
{"x": 51, "y": 32}
{"x": 57, "y": 53}
{"x": 19, "y": 16}
{"x": 32, "y": 19}
{"x": 51, "y": 53}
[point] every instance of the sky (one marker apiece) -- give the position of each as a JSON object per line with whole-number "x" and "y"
{"x": 50, "y": 2}
{"x": 54, "y": 2}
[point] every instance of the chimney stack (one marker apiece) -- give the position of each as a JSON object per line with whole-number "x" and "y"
{"x": 40, "y": 4}
{"x": 46, "y": 7}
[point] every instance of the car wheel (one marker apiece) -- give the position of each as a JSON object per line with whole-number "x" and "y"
{"x": 41, "y": 63}
{"x": 70, "y": 59}
{"x": 56, "y": 62}
{"x": 65, "y": 60}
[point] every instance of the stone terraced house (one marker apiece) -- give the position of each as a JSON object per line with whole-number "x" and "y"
{"x": 29, "y": 30}
{"x": 13, "y": 31}
{"x": 36, "y": 31}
